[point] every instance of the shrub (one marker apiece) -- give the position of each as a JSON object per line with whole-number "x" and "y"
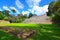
{"x": 1, "y": 16}
{"x": 6, "y": 18}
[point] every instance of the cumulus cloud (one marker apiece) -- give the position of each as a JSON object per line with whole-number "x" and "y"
{"x": 32, "y": 3}
{"x": 14, "y": 9}
{"x": 6, "y": 8}
{"x": 35, "y": 8}
{"x": 19, "y": 4}
{"x": 25, "y": 12}
{"x": 39, "y": 10}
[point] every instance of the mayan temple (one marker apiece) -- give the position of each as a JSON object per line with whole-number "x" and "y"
{"x": 43, "y": 19}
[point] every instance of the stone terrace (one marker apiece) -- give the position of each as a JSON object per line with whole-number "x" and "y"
{"x": 38, "y": 19}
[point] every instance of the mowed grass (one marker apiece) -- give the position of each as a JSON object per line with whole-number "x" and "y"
{"x": 18, "y": 24}
{"x": 43, "y": 31}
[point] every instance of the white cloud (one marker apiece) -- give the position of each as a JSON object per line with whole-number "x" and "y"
{"x": 39, "y": 10}
{"x": 6, "y": 8}
{"x": 19, "y": 4}
{"x": 32, "y": 3}
{"x": 25, "y": 12}
{"x": 35, "y": 8}
{"x": 15, "y": 9}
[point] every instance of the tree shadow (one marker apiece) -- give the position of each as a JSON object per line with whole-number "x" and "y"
{"x": 7, "y": 36}
{"x": 48, "y": 33}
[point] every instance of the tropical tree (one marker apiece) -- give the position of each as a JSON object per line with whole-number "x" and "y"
{"x": 54, "y": 9}
{"x": 50, "y": 9}
{"x": 30, "y": 15}
{"x": 56, "y": 18}
{"x": 7, "y": 15}
{"x": 1, "y": 15}
{"x": 6, "y": 12}
{"x": 14, "y": 11}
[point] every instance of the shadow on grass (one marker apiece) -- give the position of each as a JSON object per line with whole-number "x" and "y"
{"x": 44, "y": 32}
{"x": 7, "y": 36}
{"x": 48, "y": 32}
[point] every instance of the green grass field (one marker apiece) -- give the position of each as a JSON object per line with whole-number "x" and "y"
{"x": 18, "y": 24}
{"x": 44, "y": 31}
{"x": 7, "y": 36}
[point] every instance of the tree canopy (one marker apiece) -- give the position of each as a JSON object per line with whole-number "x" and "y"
{"x": 54, "y": 9}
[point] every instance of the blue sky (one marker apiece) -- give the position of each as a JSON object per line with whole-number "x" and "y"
{"x": 38, "y": 7}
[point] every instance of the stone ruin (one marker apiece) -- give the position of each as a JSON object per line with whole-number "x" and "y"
{"x": 43, "y": 19}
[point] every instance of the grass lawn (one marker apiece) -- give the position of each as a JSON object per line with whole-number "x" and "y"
{"x": 18, "y": 24}
{"x": 44, "y": 31}
{"x": 7, "y": 36}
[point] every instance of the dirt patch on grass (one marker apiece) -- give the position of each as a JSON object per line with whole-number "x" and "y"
{"x": 3, "y": 21}
{"x": 18, "y": 32}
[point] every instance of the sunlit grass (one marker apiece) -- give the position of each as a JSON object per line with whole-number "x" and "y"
{"x": 18, "y": 24}
{"x": 44, "y": 31}
{"x": 21, "y": 24}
